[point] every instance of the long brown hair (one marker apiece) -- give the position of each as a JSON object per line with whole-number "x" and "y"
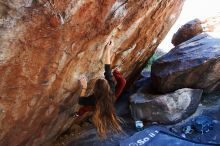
{"x": 104, "y": 117}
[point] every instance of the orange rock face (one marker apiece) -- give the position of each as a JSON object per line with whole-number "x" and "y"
{"x": 46, "y": 45}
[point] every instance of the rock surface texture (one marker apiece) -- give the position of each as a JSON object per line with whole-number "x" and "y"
{"x": 193, "y": 64}
{"x": 195, "y": 27}
{"x": 187, "y": 31}
{"x": 165, "y": 108}
{"x": 45, "y": 45}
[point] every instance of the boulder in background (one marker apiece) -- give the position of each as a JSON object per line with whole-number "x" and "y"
{"x": 165, "y": 108}
{"x": 193, "y": 64}
{"x": 187, "y": 31}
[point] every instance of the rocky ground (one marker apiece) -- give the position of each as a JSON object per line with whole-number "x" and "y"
{"x": 85, "y": 134}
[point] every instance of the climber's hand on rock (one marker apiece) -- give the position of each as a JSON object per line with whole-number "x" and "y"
{"x": 109, "y": 45}
{"x": 83, "y": 81}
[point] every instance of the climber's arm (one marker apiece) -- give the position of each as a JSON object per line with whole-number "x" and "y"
{"x": 83, "y": 83}
{"x": 107, "y": 59}
{"x": 83, "y": 100}
{"x": 108, "y": 48}
{"x": 90, "y": 100}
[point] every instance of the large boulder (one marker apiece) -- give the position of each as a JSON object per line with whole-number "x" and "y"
{"x": 187, "y": 31}
{"x": 193, "y": 64}
{"x": 45, "y": 45}
{"x": 165, "y": 108}
{"x": 195, "y": 27}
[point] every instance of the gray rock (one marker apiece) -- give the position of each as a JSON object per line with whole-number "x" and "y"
{"x": 193, "y": 64}
{"x": 166, "y": 108}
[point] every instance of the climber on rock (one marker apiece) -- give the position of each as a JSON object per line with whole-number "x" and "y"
{"x": 105, "y": 93}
